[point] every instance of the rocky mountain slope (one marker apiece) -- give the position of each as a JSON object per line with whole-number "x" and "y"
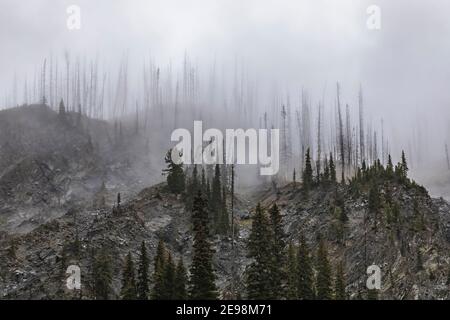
{"x": 414, "y": 260}
{"x": 50, "y": 163}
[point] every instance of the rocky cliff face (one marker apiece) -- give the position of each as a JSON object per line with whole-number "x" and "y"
{"x": 414, "y": 262}
{"x": 59, "y": 177}
{"x": 51, "y": 163}
{"x": 413, "y": 256}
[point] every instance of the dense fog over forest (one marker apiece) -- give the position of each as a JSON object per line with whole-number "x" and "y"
{"x": 265, "y": 53}
{"x": 313, "y": 136}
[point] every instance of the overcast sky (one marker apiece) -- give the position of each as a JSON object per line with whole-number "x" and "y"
{"x": 404, "y": 67}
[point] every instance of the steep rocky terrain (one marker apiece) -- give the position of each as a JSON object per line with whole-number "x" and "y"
{"x": 33, "y": 268}
{"x": 415, "y": 263}
{"x": 50, "y": 163}
{"x": 414, "y": 258}
{"x": 59, "y": 180}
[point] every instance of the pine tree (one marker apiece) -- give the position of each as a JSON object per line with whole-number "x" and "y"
{"x": 326, "y": 172}
{"x": 102, "y": 275}
{"x": 279, "y": 249}
{"x": 62, "y": 108}
{"x": 372, "y": 294}
{"x": 203, "y": 183}
{"x": 323, "y": 281}
{"x": 158, "y": 272}
{"x": 224, "y": 223}
{"x": 404, "y": 167}
{"x": 168, "y": 279}
{"x": 332, "y": 169}
{"x": 216, "y": 199}
{"x": 202, "y": 279}
{"x": 294, "y": 180}
{"x": 389, "y": 167}
{"x": 128, "y": 291}
{"x": 291, "y": 292}
{"x": 194, "y": 187}
{"x": 307, "y": 172}
{"x": 143, "y": 274}
{"x": 259, "y": 272}
{"x": 305, "y": 290}
{"x": 180, "y": 282}
{"x": 339, "y": 283}
{"x": 175, "y": 174}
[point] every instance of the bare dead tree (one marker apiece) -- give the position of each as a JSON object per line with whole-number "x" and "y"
{"x": 341, "y": 133}
{"x": 361, "y": 126}
{"x": 446, "y": 154}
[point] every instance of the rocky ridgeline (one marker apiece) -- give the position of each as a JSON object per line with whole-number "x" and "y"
{"x": 413, "y": 253}
{"x": 414, "y": 257}
{"x": 50, "y": 163}
{"x": 31, "y": 265}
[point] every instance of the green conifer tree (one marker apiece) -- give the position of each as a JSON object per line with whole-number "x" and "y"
{"x": 404, "y": 167}
{"x": 259, "y": 272}
{"x": 168, "y": 283}
{"x": 175, "y": 174}
{"x": 201, "y": 286}
{"x": 323, "y": 280}
{"x": 307, "y": 173}
{"x": 372, "y": 294}
{"x": 339, "y": 283}
{"x": 128, "y": 291}
{"x": 291, "y": 288}
{"x": 389, "y": 167}
{"x": 143, "y": 279}
{"x": 279, "y": 252}
{"x": 180, "y": 282}
{"x": 216, "y": 199}
{"x": 326, "y": 172}
{"x": 158, "y": 272}
{"x": 333, "y": 178}
{"x": 102, "y": 276}
{"x": 305, "y": 289}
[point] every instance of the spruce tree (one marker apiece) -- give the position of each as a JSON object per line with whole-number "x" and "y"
{"x": 294, "y": 180}
{"x": 143, "y": 274}
{"x": 168, "y": 279}
{"x": 128, "y": 291}
{"x": 216, "y": 199}
{"x": 305, "y": 290}
{"x": 307, "y": 173}
{"x": 62, "y": 109}
{"x": 102, "y": 276}
{"x": 279, "y": 252}
{"x": 260, "y": 271}
{"x": 158, "y": 272}
{"x": 180, "y": 282}
{"x": 404, "y": 167}
{"x": 326, "y": 172}
{"x": 291, "y": 288}
{"x": 323, "y": 280}
{"x": 339, "y": 283}
{"x": 193, "y": 186}
{"x": 203, "y": 183}
{"x": 202, "y": 286}
{"x": 389, "y": 167}
{"x": 372, "y": 294}
{"x": 175, "y": 174}
{"x": 332, "y": 169}
{"x": 224, "y": 223}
